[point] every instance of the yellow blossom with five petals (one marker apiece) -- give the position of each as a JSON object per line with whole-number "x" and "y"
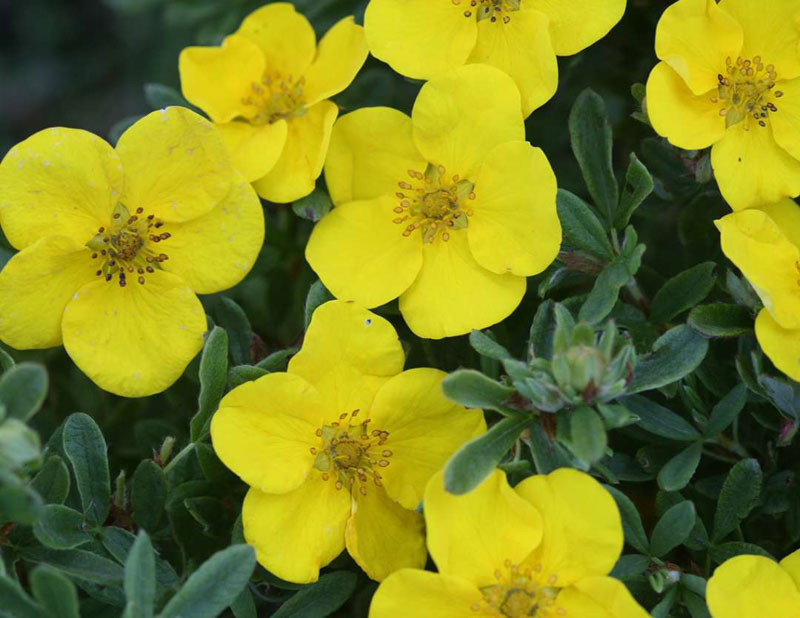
{"x": 449, "y": 210}
{"x": 729, "y": 78}
{"x": 338, "y": 449}
{"x": 267, "y": 89}
{"x": 115, "y": 242}
{"x": 423, "y": 39}
{"x": 755, "y": 587}
{"x": 543, "y": 548}
{"x": 764, "y": 243}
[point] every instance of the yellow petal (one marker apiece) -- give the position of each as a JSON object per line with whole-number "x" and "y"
{"x": 297, "y": 533}
{"x": 340, "y": 56}
{"x": 781, "y": 345}
{"x": 254, "y": 148}
{"x": 695, "y": 37}
{"x": 348, "y": 353}
{"x": 771, "y": 31}
{"x": 601, "y": 597}
{"x": 685, "y": 119}
{"x": 473, "y": 535}
{"x": 425, "y": 429}
{"x": 785, "y": 123}
{"x": 265, "y": 431}
{"x": 786, "y": 215}
{"x": 58, "y": 182}
{"x": 215, "y": 251}
{"x": 453, "y": 294}
{"x": 752, "y": 587}
{"x": 752, "y": 169}
{"x": 431, "y": 595}
{"x": 382, "y": 536}
{"x": 216, "y": 79}
{"x": 361, "y": 255}
{"x": 371, "y": 151}
{"x": 791, "y": 564}
{"x": 460, "y": 117}
{"x": 176, "y": 165}
{"x": 515, "y": 226}
{"x": 573, "y": 546}
{"x": 300, "y": 163}
{"x": 35, "y": 286}
{"x": 135, "y": 340}
{"x": 285, "y": 37}
{"x": 577, "y": 24}
{"x": 757, "y": 246}
{"x": 419, "y": 38}
{"x": 522, "y": 49}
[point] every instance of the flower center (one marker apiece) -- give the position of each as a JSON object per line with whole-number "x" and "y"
{"x": 516, "y": 595}
{"x": 128, "y": 246}
{"x": 745, "y": 91}
{"x": 434, "y": 203}
{"x": 351, "y": 452}
{"x": 275, "y": 97}
{"x": 492, "y": 10}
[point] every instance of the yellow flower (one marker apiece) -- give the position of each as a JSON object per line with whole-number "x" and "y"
{"x": 728, "y": 78}
{"x": 450, "y": 209}
{"x": 114, "y": 244}
{"x": 424, "y": 39}
{"x": 337, "y": 450}
{"x": 543, "y": 548}
{"x": 266, "y": 89}
{"x": 755, "y": 587}
{"x": 764, "y": 244}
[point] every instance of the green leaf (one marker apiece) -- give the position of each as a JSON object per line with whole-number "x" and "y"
{"x": 245, "y": 373}
{"x": 6, "y": 360}
{"x": 665, "y": 605}
{"x": 604, "y": 294}
{"x": 277, "y": 361}
{"x": 52, "y": 481}
{"x": 119, "y": 542}
{"x": 244, "y": 606}
{"x": 23, "y": 389}
{"x": 588, "y": 434}
{"x": 696, "y": 605}
{"x": 635, "y": 535}
{"x": 630, "y": 566}
{"x": 592, "y": 143}
{"x": 159, "y": 96}
{"x": 540, "y": 341}
{"x": 738, "y": 497}
{"x": 54, "y": 592}
{"x": 581, "y": 228}
{"x": 726, "y": 411}
{"x": 60, "y": 527}
{"x": 15, "y": 603}
{"x": 19, "y": 504}
{"x": 77, "y": 563}
{"x": 148, "y": 494}
{"x": 675, "y": 354}
{"x": 678, "y": 471}
{"x": 317, "y": 295}
{"x": 321, "y": 598}
{"x": 233, "y": 319}
{"x": 638, "y": 185}
{"x": 725, "y": 551}
{"x": 473, "y": 389}
{"x": 213, "y": 586}
{"x": 19, "y": 444}
{"x": 476, "y": 459}
{"x": 485, "y": 345}
{"x": 784, "y": 394}
{"x": 683, "y": 291}
{"x": 140, "y": 578}
{"x": 213, "y": 377}
{"x": 720, "y": 320}
{"x": 659, "y": 420}
{"x": 673, "y": 528}
{"x": 86, "y": 450}
{"x": 314, "y": 206}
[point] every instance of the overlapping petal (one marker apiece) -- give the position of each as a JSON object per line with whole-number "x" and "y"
{"x": 432, "y": 595}
{"x": 781, "y": 345}
{"x": 254, "y": 149}
{"x": 791, "y": 564}
{"x": 603, "y": 597}
{"x": 577, "y": 24}
{"x": 340, "y": 56}
{"x": 752, "y": 586}
{"x": 785, "y": 123}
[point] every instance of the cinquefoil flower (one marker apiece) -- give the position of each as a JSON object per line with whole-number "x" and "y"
{"x": 266, "y": 88}
{"x": 423, "y": 39}
{"x": 728, "y": 78}
{"x": 114, "y": 244}
{"x": 764, "y": 244}
{"x": 755, "y": 587}
{"x": 450, "y": 209}
{"x": 337, "y": 450}
{"x": 543, "y": 548}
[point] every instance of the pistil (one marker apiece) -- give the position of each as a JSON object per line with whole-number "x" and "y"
{"x": 493, "y": 10}
{"x": 745, "y": 91}
{"x": 275, "y": 97}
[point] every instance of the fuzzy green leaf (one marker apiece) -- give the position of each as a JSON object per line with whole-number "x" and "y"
{"x": 86, "y": 450}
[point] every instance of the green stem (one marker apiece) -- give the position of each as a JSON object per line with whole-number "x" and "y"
{"x": 185, "y": 451}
